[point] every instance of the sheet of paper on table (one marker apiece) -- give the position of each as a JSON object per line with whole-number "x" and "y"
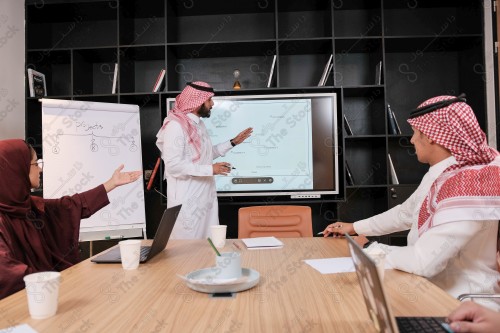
{"x": 332, "y": 265}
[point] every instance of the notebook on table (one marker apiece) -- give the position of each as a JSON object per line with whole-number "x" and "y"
{"x": 160, "y": 240}
{"x": 259, "y": 243}
{"x": 377, "y": 302}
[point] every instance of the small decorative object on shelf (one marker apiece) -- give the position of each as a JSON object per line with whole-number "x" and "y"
{"x": 236, "y": 74}
{"x": 36, "y": 80}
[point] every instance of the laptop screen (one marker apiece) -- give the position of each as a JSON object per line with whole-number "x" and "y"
{"x": 372, "y": 288}
{"x": 160, "y": 240}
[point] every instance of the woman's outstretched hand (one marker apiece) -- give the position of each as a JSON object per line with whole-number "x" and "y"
{"x": 120, "y": 178}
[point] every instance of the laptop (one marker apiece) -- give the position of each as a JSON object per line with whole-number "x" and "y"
{"x": 147, "y": 252}
{"x": 377, "y": 302}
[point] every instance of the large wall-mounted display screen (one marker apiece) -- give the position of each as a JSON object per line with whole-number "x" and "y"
{"x": 293, "y": 148}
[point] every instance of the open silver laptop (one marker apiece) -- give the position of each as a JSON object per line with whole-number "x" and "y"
{"x": 147, "y": 252}
{"x": 377, "y": 302}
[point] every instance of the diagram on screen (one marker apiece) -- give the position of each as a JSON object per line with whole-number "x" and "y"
{"x": 277, "y": 156}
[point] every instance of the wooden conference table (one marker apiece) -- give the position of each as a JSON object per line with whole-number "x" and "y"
{"x": 290, "y": 297}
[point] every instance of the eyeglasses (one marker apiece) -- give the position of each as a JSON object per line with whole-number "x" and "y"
{"x": 38, "y": 163}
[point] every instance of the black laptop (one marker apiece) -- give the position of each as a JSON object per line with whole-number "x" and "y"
{"x": 377, "y": 303}
{"x": 147, "y": 252}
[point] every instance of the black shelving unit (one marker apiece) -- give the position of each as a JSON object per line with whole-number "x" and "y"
{"x": 426, "y": 48}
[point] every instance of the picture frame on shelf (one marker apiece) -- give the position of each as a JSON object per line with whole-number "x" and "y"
{"x": 37, "y": 84}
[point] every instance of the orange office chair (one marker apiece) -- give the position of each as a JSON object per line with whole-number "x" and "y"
{"x": 278, "y": 221}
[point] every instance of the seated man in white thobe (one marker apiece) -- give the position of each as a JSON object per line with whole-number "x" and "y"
{"x": 453, "y": 214}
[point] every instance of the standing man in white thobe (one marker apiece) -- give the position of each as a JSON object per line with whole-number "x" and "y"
{"x": 188, "y": 154}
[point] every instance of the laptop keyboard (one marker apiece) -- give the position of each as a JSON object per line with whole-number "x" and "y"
{"x": 419, "y": 324}
{"x": 144, "y": 252}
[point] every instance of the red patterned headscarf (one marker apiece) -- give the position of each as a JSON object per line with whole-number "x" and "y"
{"x": 455, "y": 127}
{"x": 191, "y": 98}
{"x": 470, "y": 189}
{"x": 15, "y": 159}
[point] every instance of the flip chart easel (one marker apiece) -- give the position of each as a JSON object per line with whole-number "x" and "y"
{"x": 83, "y": 143}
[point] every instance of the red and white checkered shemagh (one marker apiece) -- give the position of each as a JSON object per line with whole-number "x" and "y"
{"x": 470, "y": 189}
{"x": 186, "y": 102}
{"x": 455, "y": 127}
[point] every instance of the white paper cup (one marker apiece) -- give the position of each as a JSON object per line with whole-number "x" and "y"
{"x": 228, "y": 265}
{"x": 377, "y": 255}
{"x": 42, "y": 290}
{"x": 130, "y": 253}
{"x": 218, "y": 235}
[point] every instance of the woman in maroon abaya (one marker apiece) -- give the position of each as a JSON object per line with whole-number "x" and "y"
{"x": 39, "y": 234}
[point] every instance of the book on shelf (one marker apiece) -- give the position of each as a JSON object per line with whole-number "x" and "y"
{"x": 37, "y": 84}
{"x": 271, "y": 72}
{"x": 394, "y": 176}
{"x": 347, "y": 126}
{"x": 159, "y": 80}
{"x": 393, "y": 122}
{"x": 115, "y": 78}
{"x": 348, "y": 175}
{"x": 396, "y": 122}
{"x": 378, "y": 73}
{"x": 325, "y": 72}
{"x": 327, "y": 75}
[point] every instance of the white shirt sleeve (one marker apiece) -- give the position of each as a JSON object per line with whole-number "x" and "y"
{"x": 403, "y": 216}
{"x": 430, "y": 254}
{"x": 174, "y": 153}
{"x": 383, "y": 223}
{"x": 221, "y": 149}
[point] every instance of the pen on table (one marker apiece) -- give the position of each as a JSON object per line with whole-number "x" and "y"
{"x": 237, "y": 246}
{"x": 113, "y": 237}
{"x": 322, "y": 233}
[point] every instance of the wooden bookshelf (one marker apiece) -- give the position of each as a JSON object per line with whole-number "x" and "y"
{"x": 427, "y": 48}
